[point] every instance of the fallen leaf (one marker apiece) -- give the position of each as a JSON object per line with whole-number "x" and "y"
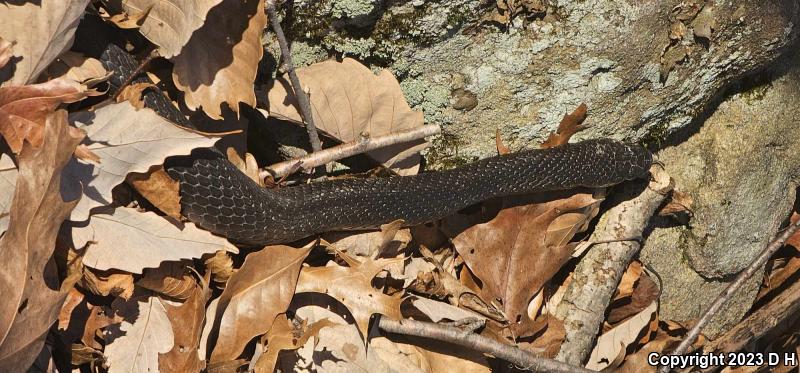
{"x": 78, "y": 68}
{"x": 794, "y": 240}
{"x": 133, "y": 93}
{"x": 570, "y": 124}
{"x": 169, "y": 23}
{"x": 515, "y": 253}
{"x": 388, "y": 242}
{"x": 30, "y": 305}
{"x": 438, "y": 311}
{"x": 187, "y": 322}
{"x": 678, "y": 202}
{"x": 644, "y": 293}
{"x": 8, "y": 182}
{"x": 23, "y": 109}
{"x": 41, "y": 31}
{"x": 639, "y": 361}
{"x": 502, "y": 149}
{"x": 347, "y": 101}
{"x": 260, "y": 290}
{"x": 127, "y": 140}
{"x": 282, "y": 336}
{"x": 98, "y": 320}
{"x": 172, "y": 279}
{"x": 221, "y": 267}
{"x": 73, "y": 299}
{"x": 609, "y": 344}
{"x": 219, "y": 62}
{"x": 352, "y": 287}
{"x": 127, "y": 21}
{"x": 6, "y": 52}
{"x": 549, "y": 334}
{"x": 160, "y": 189}
{"x": 143, "y": 335}
{"x": 114, "y": 283}
{"x": 248, "y": 165}
{"x": 130, "y": 240}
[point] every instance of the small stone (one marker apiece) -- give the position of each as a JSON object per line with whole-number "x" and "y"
{"x": 465, "y": 100}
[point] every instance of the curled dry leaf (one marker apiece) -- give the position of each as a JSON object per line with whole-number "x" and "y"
{"x": 187, "y": 322}
{"x": 133, "y": 93}
{"x": 127, "y": 140}
{"x": 248, "y": 165}
{"x": 219, "y": 62}
{"x": 23, "y": 109}
{"x": 160, "y": 189}
{"x": 348, "y": 100}
{"x": 29, "y": 305}
{"x": 145, "y": 238}
{"x": 144, "y": 333}
{"x": 168, "y": 23}
{"x": 613, "y": 343}
{"x": 260, "y": 290}
{"x": 283, "y": 336}
{"x": 77, "y": 68}
{"x": 570, "y": 124}
{"x": 172, "y": 279}
{"x": 352, "y": 286}
{"x": 41, "y": 30}
{"x": 221, "y": 267}
{"x": 114, "y": 283}
{"x": 516, "y": 252}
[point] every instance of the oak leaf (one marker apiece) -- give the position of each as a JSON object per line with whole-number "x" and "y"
{"x": 172, "y": 279}
{"x": 8, "y": 181}
{"x": 41, "y": 31}
{"x": 160, "y": 189}
{"x": 126, "y": 140}
{"x": 283, "y": 336}
{"x": 77, "y": 68}
{"x": 352, "y": 287}
{"x": 145, "y": 333}
{"x": 260, "y": 290}
{"x": 219, "y": 62}
{"x": 347, "y": 101}
{"x": 517, "y": 251}
{"x": 187, "y": 322}
{"x": 130, "y": 240}
{"x": 28, "y": 284}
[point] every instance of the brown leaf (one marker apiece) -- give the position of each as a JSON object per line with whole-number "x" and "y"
{"x": 145, "y": 333}
{"x": 41, "y": 30}
{"x": 609, "y": 344}
{"x": 29, "y": 305}
{"x": 794, "y": 240}
{"x": 352, "y": 286}
{"x": 283, "y": 336}
{"x": 173, "y": 279}
{"x": 347, "y": 101}
{"x": 77, "y": 68}
{"x": 128, "y": 21}
{"x": 388, "y": 242}
{"x": 6, "y": 52}
{"x": 219, "y": 63}
{"x": 548, "y": 337}
{"x": 160, "y": 189}
{"x": 83, "y": 153}
{"x": 679, "y": 202}
{"x": 23, "y": 109}
{"x": 502, "y": 149}
{"x": 133, "y": 93}
{"x": 221, "y": 267}
{"x": 187, "y": 325}
{"x": 108, "y": 283}
{"x": 645, "y": 293}
{"x": 570, "y": 124}
{"x": 92, "y": 331}
{"x": 260, "y": 290}
{"x": 248, "y": 165}
{"x": 512, "y": 255}
{"x": 74, "y": 298}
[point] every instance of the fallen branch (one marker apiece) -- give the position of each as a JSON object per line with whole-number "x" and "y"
{"x": 466, "y": 338}
{"x": 362, "y": 145}
{"x": 599, "y": 272}
{"x": 779, "y": 312}
{"x": 302, "y": 97}
{"x": 755, "y": 266}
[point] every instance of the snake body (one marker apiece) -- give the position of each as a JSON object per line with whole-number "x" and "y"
{"x": 218, "y": 197}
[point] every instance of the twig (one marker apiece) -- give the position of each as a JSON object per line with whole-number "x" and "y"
{"x": 302, "y": 98}
{"x": 599, "y": 272}
{"x": 522, "y": 359}
{"x": 728, "y": 293}
{"x": 142, "y": 65}
{"x": 363, "y": 144}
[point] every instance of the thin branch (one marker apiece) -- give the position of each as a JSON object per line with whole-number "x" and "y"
{"x": 522, "y": 359}
{"x": 600, "y": 270}
{"x": 362, "y": 145}
{"x": 755, "y": 266}
{"x": 302, "y": 97}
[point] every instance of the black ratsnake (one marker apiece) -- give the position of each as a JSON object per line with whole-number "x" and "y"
{"x": 218, "y": 197}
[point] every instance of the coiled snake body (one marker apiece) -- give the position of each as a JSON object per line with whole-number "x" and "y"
{"x": 218, "y": 197}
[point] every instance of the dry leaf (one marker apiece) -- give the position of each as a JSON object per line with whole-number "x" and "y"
{"x": 187, "y": 325}
{"x": 352, "y": 286}
{"x": 114, "y": 283}
{"x": 143, "y": 335}
{"x": 645, "y": 292}
{"x": 29, "y": 305}
{"x": 388, "y": 242}
{"x": 6, "y": 52}
{"x": 73, "y": 299}
{"x": 131, "y": 240}
{"x": 514, "y": 254}
{"x": 348, "y": 100}
{"x": 678, "y": 202}
{"x": 438, "y": 311}
{"x": 127, "y": 140}
{"x": 282, "y": 336}
{"x": 98, "y": 320}
{"x": 609, "y": 344}
{"x": 219, "y": 63}
{"x": 570, "y": 124}
{"x": 8, "y": 182}
{"x": 42, "y": 30}
{"x": 169, "y": 23}
{"x": 248, "y": 165}
{"x": 23, "y": 109}
{"x": 221, "y": 267}
{"x": 77, "y": 68}
{"x": 160, "y": 189}
{"x": 260, "y": 290}
{"x": 127, "y": 21}
{"x": 133, "y": 93}
{"x": 173, "y": 279}
{"x": 502, "y": 149}
{"x": 639, "y": 361}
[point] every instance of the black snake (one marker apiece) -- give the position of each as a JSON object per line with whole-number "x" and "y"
{"x": 218, "y": 197}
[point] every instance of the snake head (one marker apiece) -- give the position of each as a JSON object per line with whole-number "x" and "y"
{"x": 638, "y": 160}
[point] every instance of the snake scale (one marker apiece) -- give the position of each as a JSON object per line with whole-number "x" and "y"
{"x": 218, "y": 197}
